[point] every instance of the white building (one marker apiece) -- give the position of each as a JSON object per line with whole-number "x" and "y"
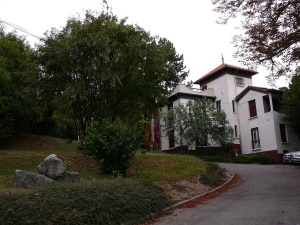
{"x": 251, "y": 111}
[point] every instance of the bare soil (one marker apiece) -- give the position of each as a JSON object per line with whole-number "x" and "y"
{"x": 188, "y": 188}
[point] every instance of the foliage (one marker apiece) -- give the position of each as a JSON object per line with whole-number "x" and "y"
{"x": 113, "y": 145}
{"x": 164, "y": 168}
{"x": 271, "y": 37}
{"x": 255, "y": 158}
{"x": 213, "y": 155}
{"x": 19, "y": 110}
{"x": 213, "y": 174}
{"x": 197, "y": 122}
{"x": 100, "y": 67}
{"x": 107, "y": 202}
{"x": 291, "y": 104}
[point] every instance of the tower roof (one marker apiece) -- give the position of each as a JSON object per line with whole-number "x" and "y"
{"x": 221, "y": 70}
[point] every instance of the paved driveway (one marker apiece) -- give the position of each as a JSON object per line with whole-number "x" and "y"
{"x": 268, "y": 194}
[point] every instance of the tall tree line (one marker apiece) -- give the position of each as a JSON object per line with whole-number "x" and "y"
{"x": 97, "y": 67}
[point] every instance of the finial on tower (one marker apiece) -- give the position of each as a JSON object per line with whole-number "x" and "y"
{"x": 222, "y": 58}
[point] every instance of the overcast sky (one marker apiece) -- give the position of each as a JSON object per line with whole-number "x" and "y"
{"x": 190, "y": 25}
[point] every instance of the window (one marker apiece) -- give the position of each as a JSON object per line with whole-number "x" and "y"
{"x": 239, "y": 81}
{"x": 252, "y": 108}
{"x": 266, "y": 102}
{"x": 218, "y": 105}
{"x": 255, "y": 138}
{"x": 283, "y": 133}
{"x": 233, "y": 105}
{"x": 235, "y": 131}
{"x": 204, "y": 87}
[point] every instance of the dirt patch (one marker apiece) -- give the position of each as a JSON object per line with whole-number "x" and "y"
{"x": 188, "y": 188}
{"x": 236, "y": 181}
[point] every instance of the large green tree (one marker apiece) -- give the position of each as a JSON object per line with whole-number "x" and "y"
{"x": 271, "y": 33}
{"x": 19, "y": 110}
{"x": 100, "y": 67}
{"x": 291, "y": 104}
{"x": 198, "y": 122}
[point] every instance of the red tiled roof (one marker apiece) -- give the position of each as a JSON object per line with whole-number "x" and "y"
{"x": 221, "y": 67}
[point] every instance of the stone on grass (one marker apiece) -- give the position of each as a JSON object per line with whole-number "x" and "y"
{"x": 72, "y": 177}
{"x": 26, "y": 179}
{"x": 52, "y": 166}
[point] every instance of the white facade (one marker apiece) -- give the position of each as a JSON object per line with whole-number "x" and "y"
{"x": 226, "y": 89}
{"x": 181, "y": 95}
{"x": 267, "y": 123}
{"x": 232, "y": 89}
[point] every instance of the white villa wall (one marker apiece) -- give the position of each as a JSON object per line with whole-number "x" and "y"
{"x": 181, "y": 88}
{"x": 226, "y": 90}
{"x": 268, "y": 127}
{"x": 164, "y": 141}
{"x": 293, "y": 143}
{"x": 264, "y": 122}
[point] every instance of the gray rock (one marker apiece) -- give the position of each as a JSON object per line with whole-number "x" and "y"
{"x": 72, "y": 177}
{"x": 52, "y": 166}
{"x": 26, "y": 179}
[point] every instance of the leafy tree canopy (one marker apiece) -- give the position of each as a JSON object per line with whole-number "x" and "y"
{"x": 272, "y": 35}
{"x": 291, "y": 104}
{"x": 100, "y": 67}
{"x": 18, "y": 72}
{"x": 198, "y": 122}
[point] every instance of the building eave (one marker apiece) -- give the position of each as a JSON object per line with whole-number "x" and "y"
{"x": 258, "y": 89}
{"x": 222, "y": 68}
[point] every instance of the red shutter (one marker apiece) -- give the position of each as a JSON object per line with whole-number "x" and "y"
{"x": 252, "y": 108}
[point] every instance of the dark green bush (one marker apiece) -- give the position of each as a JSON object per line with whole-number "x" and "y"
{"x": 213, "y": 174}
{"x": 257, "y": 158}
{"x": 113, "y": 145}
{"x": 213, "y": 155}
{"x": 118, "y": 201}
{"x": 6, "y": 132}
{"x": 244, "y": 159}
{"x": 264, "y": 159}
{"x": 210, "y": 179}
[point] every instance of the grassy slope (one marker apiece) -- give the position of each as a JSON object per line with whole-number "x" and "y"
{"x": 95, "y": 200}
{"x": 29, "y": 150}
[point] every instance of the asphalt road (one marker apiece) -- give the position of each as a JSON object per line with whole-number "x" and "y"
{"x": 268, "y": 194}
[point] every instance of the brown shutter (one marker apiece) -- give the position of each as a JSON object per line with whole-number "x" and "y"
{"x": 252, "y": 108}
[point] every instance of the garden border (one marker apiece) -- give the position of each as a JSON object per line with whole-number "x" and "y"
{"x": 179, "y": 204}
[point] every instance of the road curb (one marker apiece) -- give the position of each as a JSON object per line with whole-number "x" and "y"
{"x": 177, "y": 205}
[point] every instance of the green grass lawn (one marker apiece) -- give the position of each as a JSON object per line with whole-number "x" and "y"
{"x": 95, "y": 200}
{"x": 148, "y": 168}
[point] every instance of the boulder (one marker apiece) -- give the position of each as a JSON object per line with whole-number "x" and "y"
{"x": 26, "y": 179}
{"x": 52, "y": 166}
{"x": 72, "y": 177}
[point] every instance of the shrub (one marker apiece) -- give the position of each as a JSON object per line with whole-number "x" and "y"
{"x": 257, "y": 158}
{"x": 113, "y": 145}
{"x": 244, "y": 159}
{"x": 210, "y": 179}
{"x": 213, "y": 174}
{"x": 213, "y": 155}
{"x": 264, "y": 159}
{"x": 108, "y": 202}
{"x": 6, "y": 132}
